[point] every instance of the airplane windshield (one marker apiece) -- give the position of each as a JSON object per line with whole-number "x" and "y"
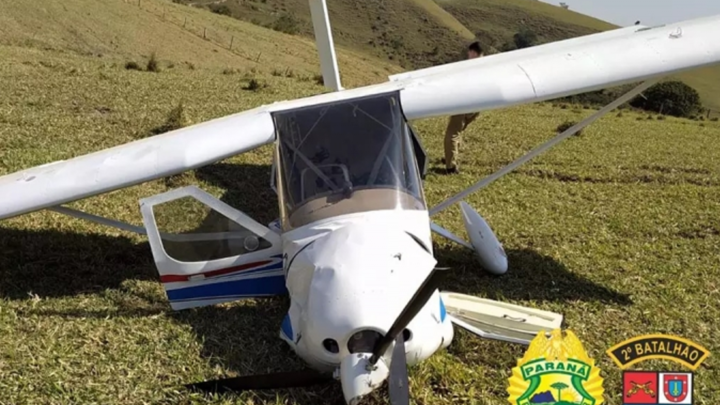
{"x": 345, "y": 157}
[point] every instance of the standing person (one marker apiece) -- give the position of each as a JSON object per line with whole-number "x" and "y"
{"x": 458, "y": 123}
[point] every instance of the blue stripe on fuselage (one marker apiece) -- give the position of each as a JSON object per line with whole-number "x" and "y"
{"x": 262, "y": 286}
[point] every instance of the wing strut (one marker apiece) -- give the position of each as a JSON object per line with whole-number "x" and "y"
{"x": 543, "y": 148}
{"x": 100, "y": 220}
{"x": 174, "y": 237}
{"x": 325, "y": 47}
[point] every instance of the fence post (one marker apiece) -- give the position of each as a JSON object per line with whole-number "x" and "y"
{"x": 204, "y": 32}
{"x": 232, "y": 38}
{"x": 185, "y": 22}
{"x": 138, "y": 3}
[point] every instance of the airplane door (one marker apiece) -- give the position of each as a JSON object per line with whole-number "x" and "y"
{"x": 207, "y": 252}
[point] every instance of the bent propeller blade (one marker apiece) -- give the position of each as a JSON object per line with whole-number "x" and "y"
{"x": 398, "y": 384}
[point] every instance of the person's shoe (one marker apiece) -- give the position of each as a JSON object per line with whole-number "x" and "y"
{"x": 453, "y": 170}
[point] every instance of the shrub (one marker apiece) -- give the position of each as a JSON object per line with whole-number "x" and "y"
{"x": 177, "y": 118}
{"x": 671, "y": 98}
{"x": 598, "y": 98}
{"x": 132, "y": 66}
{"x": 567, "y": 125}
{"x": 255, "y": 85}
{"x": 286, "y": 23}
{"x": 152, "y": 65}
{"x": 220, "y": 9}
{"x": 525, "y": 38}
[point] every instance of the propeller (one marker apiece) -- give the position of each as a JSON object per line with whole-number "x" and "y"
{"x": 398, "y": 385}
{"x": 421, "y": 297}
{"x": 397, "y": 380}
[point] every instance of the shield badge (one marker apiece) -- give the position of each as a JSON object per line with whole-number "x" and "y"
{"x": 676, "y": 387}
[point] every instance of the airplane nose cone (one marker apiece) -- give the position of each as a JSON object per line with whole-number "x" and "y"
{"x": 356, "y": 280}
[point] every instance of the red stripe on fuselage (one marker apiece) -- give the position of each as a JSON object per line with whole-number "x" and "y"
{"x": 173, "y": 278}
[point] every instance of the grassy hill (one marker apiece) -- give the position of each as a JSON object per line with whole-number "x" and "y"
{"x": 419, "y": 33}
{"x": 495, "y": 22}
{"x": 399, "y": 31}
{"x": 617, "y": 228}
{"x": 180, "y": 36}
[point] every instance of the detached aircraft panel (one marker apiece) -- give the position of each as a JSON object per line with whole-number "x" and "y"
{"x": 133, "y": 163}
{"x": 641, "y": 55}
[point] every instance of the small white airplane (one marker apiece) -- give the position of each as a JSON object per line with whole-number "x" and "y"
{"x": 352, "y": 246}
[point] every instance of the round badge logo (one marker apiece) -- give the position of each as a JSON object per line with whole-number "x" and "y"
{"x": 556, "y": 370}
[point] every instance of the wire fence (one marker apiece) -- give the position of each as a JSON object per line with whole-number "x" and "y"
{"x": 213, "y": 35}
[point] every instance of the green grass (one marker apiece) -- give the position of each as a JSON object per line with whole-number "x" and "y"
{"x": 617, "y": 228}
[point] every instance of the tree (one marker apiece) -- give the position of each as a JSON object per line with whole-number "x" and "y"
{"x": 220, "y": 9}
{"x": 287, "y": 23}
{"x": 671, "y": 98}
{"x": 525, "y": 38}
{"x": 559, "y": 386}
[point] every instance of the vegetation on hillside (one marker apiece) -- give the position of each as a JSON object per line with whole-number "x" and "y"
{"x": 671, "y": 98}
{"x": 410, "y": 33}
{"x": 419, "y": 33}
{"x": 185, "y": 37}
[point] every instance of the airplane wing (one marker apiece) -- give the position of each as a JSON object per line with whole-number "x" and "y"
{"x": 555, "y": 70}
{"x": 524, "y": 76}
{"x": 133, "y": 163}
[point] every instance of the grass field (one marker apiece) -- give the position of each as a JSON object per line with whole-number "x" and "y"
{"x": 618, "y": 228}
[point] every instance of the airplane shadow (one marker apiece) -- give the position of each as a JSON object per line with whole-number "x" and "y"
{"x": 54, "y": 264}
{"x": 248, "y": 188}
{"x": 50, "y": 263}
{"x": 242, "y": 337}
{"x": 530, "y": 276}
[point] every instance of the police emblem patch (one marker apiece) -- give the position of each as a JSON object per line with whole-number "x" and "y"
{"x": 556, "y": 370}
{"x": 640, "y": 387}
{"x": 652, "y": 387}
{"x": 676, "y": 388}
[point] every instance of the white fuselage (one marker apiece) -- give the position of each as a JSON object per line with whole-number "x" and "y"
{"x": 357, "y": 272}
